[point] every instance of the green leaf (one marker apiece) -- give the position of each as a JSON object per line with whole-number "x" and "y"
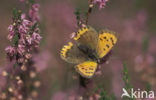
{"x": 15, "y": 40}
{"x": 31, "y": 1}
{"x": 148, "y": 87}
{"x": 77, "y": 14}
{"x": 78, "y": 18}
{"x": 34, "y": 26}
{"x": 105, "y": 96}
{"x": 14, "y": 66}
{"x": 145, "y": 43}
{"x": 19, "y": 14}
{"x": 85, "y": 15}
{"x": 14, "y": 12}
{"x": 126, "y": 80}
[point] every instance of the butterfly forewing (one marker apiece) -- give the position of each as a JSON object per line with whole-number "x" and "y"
{"x": 87, "y": 37}
{"x": 106, "y": 42}
{"x": 72, "y": 54}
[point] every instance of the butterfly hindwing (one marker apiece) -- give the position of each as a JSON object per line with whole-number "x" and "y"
{"x": 87, "y": 37}
{"x": 87, "y": 68}
{"x": 72, "y": 54}
{"x": 106, "y": 42}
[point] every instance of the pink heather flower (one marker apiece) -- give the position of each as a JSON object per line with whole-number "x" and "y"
{"x": 11, "y": 30}
{"x": 29, "y": 40}
{"x": 10, "y": 50}
{"x": 10, "y": 36}
{"x": 23, "y": 16}
{"x": 25, "y": 22}
{"x": 23, "y": 29}
{"x": 33, "y": 12}
{"x": 36, "y": 36}
{"x": 35, "y": 7}
{"x": 21, "y": 49}
{"x": 22, "y": 38}
{"x": 101, "y": 3}
{"x": 37, "y": 30}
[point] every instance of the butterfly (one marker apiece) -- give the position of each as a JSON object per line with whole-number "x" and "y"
{"x": 88, "y": 47}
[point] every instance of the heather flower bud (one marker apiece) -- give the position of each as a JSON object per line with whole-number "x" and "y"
{"x": 10, "y": 28}
{"x": 32, "y": 74}
{"x": 23, "y": 68}
{"x": 36, "y": 36}
{"x": 20, "y": 97}
{"x": 29, "y": 39}
{"x": 101, "y": 3}
{"x": 4, "y": 73}
{"x": 10, "y": 89}
{"x": 33, "y": 13}
{"x": 18, "y": 78}
{"x": 3, "y": 96}
{"x": 10, "y": 51}
{"x": 34, "y": 94}
{"x": 20, "y": 60}
{"x": 37, "y": 84}
{"x": 19, "y": 82}
{"x": 28, "y": 55}
{"x": 13, "y": 98}
{"x": 21, "y": 49}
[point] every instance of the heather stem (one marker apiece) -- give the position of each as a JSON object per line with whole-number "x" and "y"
{"x": 89, "y": 11}
{"x": 86, "y": 85}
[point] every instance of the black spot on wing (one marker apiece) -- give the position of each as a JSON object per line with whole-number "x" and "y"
{"x": 112, "y": 41}
{"x": 91, "y": 68}
{"x": 107, "y": 45}
{"x": 104, "y": 37}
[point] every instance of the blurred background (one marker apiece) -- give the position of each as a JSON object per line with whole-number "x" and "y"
{"x": 133, "y": 20}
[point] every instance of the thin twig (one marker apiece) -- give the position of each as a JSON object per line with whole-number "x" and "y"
{"x": 89, "y": 10}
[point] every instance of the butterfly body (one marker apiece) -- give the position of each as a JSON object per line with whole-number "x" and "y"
{"x": 88, "y": 50}
{"x": 91, "y": 54}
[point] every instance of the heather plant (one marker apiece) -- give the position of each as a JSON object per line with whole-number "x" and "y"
{"x": 126, "y": 80}
{"x": 22, "y": 79}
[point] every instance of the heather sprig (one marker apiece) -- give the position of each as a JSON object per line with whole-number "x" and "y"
{"x": 101, "y": 4}
{"x": 78, "y": 17}
{"x": 105, "y": 96}
{"x": 22, "y": 77}
{"x": 126, "y": 80}
{"x": 24, "y": 34}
